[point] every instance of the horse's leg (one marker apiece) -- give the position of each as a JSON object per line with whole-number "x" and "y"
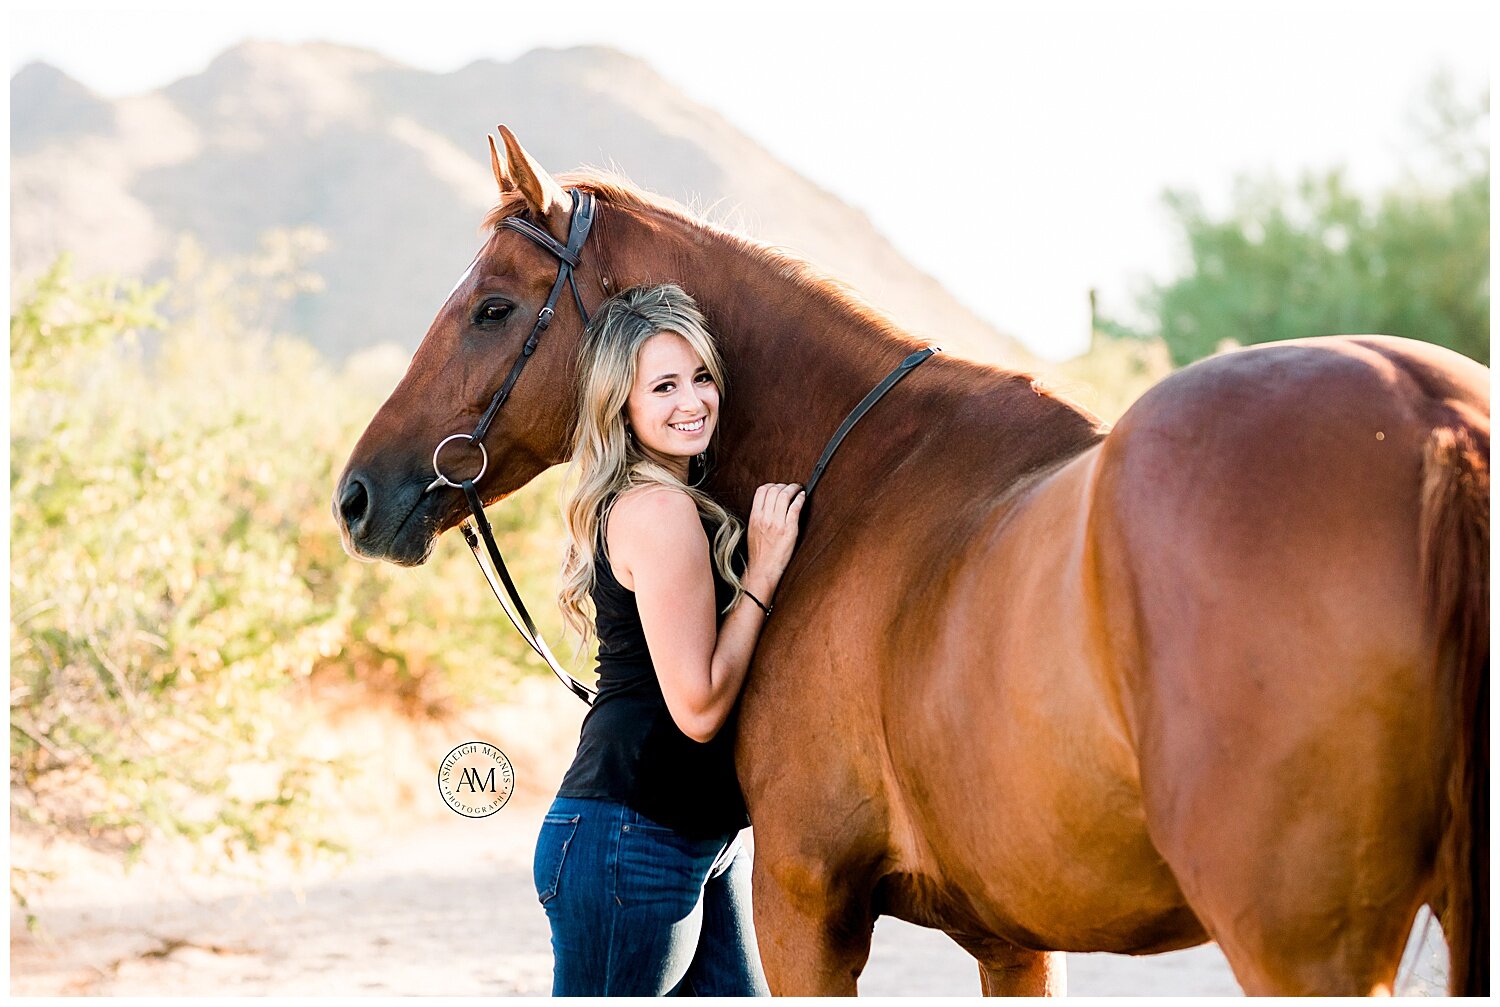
{"x": 1302, "y": 919}
{"x": 1025, "y": 974}
{"x": 814, "y": 938}
{"x": 1294, "y": 791}
{"x": 820, "y": 814}
{"x": 1008, "y": 971}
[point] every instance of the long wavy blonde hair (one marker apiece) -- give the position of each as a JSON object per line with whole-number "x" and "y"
{"x": 606, "y": 461}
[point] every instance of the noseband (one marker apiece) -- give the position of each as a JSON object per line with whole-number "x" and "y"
{"x": 477, "y": 526}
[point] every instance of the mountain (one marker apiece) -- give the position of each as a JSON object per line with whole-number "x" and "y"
{"x": 390, "y": 162}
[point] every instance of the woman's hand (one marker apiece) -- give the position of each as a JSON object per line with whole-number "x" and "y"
{"x": 772, "y": 534}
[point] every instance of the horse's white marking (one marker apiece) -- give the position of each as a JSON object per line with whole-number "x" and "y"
{"x": 461, "y": 279}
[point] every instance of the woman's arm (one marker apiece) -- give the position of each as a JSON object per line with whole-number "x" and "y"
{"x": 659, "y": 551}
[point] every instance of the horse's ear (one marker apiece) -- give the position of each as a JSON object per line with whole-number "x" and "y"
{"x": 545, "y": 197}
{"x": 501, "y": 178}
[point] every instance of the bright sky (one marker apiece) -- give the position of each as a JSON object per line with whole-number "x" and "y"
{"x": 1016, "y": 152}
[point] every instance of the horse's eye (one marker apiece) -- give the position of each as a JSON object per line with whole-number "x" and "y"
{"x": 492, "y": 312}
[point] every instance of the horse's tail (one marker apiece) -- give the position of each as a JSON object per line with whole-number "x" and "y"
{"x": 1455, "y": 537}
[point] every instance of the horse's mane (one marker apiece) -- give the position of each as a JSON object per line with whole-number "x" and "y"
{"x": 1025, "y": 393}
{"x": 613, "y": 188}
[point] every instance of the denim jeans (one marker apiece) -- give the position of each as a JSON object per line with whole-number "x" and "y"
{"x": 639, "y": 910}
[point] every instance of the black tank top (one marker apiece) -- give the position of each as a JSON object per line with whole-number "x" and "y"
{"x": 629, "y": 748}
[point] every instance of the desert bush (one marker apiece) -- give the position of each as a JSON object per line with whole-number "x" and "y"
{"x": 178, "y": 587}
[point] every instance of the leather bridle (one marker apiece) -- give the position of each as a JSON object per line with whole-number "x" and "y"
{"x": 476, "y": 527}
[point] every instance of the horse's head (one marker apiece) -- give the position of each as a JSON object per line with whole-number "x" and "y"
{"x": 382, "y": 500}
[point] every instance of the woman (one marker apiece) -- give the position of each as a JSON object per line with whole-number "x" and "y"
{"x": 638, "y": 862}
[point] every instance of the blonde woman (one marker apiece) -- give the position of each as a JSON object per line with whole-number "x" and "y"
{"x": 638, "y": 862}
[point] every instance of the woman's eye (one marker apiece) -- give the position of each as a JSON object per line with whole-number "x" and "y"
{"x": 491, "y": 312}
{"x": 665, "y": 386}
{"x": 706, "y": 377}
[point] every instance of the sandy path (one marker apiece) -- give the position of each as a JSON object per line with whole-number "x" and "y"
{"x": 434, "y": 903}
{"x": 445, "y": 908}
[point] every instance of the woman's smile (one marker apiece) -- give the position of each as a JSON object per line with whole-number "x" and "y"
{"x": 689, "y": 437}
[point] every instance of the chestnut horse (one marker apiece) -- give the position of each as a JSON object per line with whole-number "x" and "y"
{"x": 1220, "y": 673}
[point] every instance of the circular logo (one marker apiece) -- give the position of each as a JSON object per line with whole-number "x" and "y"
{"x": 476, "y": 779}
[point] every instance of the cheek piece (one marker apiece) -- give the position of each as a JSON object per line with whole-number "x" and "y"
{"x": 477, "y": 526}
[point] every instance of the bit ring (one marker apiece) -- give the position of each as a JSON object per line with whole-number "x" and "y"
{"x": 442, "y": 480}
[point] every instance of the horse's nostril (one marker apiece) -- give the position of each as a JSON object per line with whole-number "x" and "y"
{"x": 354, "y": 502}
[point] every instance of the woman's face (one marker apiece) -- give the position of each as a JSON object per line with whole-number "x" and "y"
{"x": 674, "y": 405}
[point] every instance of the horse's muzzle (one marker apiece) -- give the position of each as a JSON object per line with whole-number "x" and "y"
{"x": 376, "y": 524}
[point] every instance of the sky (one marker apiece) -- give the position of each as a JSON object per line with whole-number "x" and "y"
{"x": 1017, "y": 152}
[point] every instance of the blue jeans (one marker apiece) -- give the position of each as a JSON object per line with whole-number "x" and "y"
{"x": 638, "y": 910}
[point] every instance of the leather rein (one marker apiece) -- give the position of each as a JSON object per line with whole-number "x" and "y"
{"x": 476, "y": 527}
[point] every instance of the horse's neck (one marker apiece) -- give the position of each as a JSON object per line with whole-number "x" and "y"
{"x": 800, "y": 353}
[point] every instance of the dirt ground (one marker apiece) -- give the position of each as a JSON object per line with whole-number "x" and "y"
{"x": 437, "y": 904}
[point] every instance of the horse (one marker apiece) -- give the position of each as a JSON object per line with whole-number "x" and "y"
{"x": 1217, "y": 673}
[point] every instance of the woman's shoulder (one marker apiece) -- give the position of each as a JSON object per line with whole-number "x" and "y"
{"x": 651, "y": 509}
{"x": 648, "y": 523}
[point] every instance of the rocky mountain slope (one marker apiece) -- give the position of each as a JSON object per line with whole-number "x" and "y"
{"x": 390, "y": 163}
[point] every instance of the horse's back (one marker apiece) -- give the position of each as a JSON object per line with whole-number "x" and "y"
{"x": 1257, "y": 518}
